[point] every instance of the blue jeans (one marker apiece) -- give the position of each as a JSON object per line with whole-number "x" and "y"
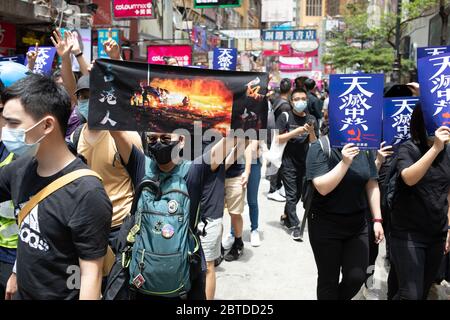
{"x": 252, "y": 194}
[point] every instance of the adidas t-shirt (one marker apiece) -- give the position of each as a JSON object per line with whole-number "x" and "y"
{"x": 72, "y": 223}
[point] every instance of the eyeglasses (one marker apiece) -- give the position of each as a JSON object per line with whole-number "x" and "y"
{"x": 165, "y": 139}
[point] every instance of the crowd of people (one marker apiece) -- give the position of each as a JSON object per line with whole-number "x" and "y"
{"x": 86, "y": 214}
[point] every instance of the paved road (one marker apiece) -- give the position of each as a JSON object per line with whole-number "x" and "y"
{"x": 280, "y": 268}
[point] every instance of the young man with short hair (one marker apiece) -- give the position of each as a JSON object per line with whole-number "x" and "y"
{"x": 63, "y": 241}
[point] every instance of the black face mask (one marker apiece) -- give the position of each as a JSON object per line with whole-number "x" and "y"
{"x": 162, "y": 152}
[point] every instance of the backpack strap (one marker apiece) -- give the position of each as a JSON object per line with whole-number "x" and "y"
{"x": 52, "y": 187}
{"x": 325, "y": 145}
{"x": 75, "y": 136}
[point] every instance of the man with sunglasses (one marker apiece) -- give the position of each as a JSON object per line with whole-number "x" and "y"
{"x": 164, "y": 150}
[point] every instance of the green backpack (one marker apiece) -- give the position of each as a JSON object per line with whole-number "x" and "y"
{"x": 164, "y": 242}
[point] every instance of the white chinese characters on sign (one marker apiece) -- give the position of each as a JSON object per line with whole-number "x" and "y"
{"x": 441, "y": 83}
{"x": 354, "y": 101}
{"x": 225, "y": 59}
{"x": 41, "y": 60}
{"x": 402, "y": 120}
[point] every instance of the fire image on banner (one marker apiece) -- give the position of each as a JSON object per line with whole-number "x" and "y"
{"x": 355, "y": 110}
{"x": 159, "y": 98}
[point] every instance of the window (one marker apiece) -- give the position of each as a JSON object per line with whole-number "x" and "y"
{"x": 313, "y": 8}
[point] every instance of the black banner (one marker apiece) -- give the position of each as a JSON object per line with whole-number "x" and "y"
{"x": 157, "y": 98}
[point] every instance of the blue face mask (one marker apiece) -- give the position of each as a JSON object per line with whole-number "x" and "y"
{"x": 14, "y": 141}
{"x": 300, "y": 106}
{"x": 83, "y": 108}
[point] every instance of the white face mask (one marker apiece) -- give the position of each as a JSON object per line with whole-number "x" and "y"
{"x": 300, "y": 106}
{"x": 14, "y": 141}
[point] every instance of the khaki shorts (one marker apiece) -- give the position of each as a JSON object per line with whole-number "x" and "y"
{"x": 213, "y": 239}
{"x": 234, "y": 195}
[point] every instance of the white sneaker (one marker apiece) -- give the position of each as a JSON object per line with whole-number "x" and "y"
{"x": 227, "y": 243}
{"x": 255, "y": 240}
{"x": 276, "y": 196}
{"x": 282, "y": 192}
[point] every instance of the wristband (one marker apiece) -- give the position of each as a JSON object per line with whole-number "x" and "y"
{"x": 79, "y": 54}
{"x": 377, "y": 220}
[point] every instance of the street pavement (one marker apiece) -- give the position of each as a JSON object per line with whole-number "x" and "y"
{"x": 280, "y": 268}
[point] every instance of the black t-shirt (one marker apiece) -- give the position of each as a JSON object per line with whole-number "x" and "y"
{"x": 280, "y": 105}
{"x": 420, "y": 212}
{"x": 315, "y": 106}
{"x": 235, "y": 170}
{"x": 350, "y": 195}
{"x": 294, "y": 155}
{"x": 198, "y": 174}
{"x": 72, "y": 223}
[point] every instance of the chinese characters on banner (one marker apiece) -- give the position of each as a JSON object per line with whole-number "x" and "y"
{"x": 431, "y": 51}
{"x": 434, "y": 79}
{"x": 355, "y": 110}
{"x": 162, "y": 98}
{"x": 44, "y": 60}
{"x": 225, "y": 59}
{"x": 132, "y": 9}
{"x": 396, "y": 119}
{"x": 102, "y": 37}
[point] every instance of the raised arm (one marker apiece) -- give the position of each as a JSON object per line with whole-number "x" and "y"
{"x": 123, "y": 143}
{"x": 414, "y": 173}
{"x": 329, "y": 181}
{"x": 32, "y": 56}
{"x": 64, "y": 48}
{"x": 76, "y": 51}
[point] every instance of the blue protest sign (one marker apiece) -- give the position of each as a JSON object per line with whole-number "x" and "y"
{"x": 224, "y": 59}
{"x": 44, "y": 60}
{"x": 355, "y": 110}
{"x": 20, "y": 58}
{"x": 396, "y": 119}
{"x": 102, "y": 37}
{"x": 434, "y": 80}
{"x": 431, "y": 51}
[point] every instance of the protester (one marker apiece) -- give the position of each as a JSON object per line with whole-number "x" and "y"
{"x": 420, "y": 210}
{"x": 298, "y": 129}
{"x": 346, "y": 186}
{"x": 10, "y": 72}
{"x": 281, "y": 104}
{"x": 254, "y": 180}
{"x": 236, "y": 179}
{"x": 100, "y": 152}
{"x": 314, "y": 103}
{"x": 77, "y": 216}
{"x": 165, "y": 163}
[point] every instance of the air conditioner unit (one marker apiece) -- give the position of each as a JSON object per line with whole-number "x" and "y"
{"x": 73, "y": 20}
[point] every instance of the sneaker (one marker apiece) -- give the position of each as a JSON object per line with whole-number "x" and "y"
{"x": 227, "y": 243}
{"x": 255, "y": 240}
{"x": 276, "y": 196}
{"x": 235, "y": 253}
{"x": 282, "y": 192}
{"x": 296, "y": 234}
{"x": 284, "y": 221}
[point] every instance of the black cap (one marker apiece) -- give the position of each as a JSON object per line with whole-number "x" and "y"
{"x": 82, "y": 84}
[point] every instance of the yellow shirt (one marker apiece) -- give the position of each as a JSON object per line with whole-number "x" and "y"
{"x": 103, "y": 157}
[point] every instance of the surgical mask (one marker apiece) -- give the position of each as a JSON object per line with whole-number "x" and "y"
{"x": 300, "y": 106}
{"x": 162, "y": 152}
{"x": 14, "y": 141}
{"x": 83, "y": 108}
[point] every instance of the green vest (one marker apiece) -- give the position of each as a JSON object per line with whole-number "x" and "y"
{"x": 9, "y": 231}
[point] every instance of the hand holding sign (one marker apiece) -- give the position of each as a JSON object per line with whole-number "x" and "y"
{"x": 62, "y": 45}
{"x": 349, "y": 152}
{"x": 111, "y": 47}
{"x": 32, "y": 56}
{"x": 384, "y": 152}
{"x": 442, "y": 136}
